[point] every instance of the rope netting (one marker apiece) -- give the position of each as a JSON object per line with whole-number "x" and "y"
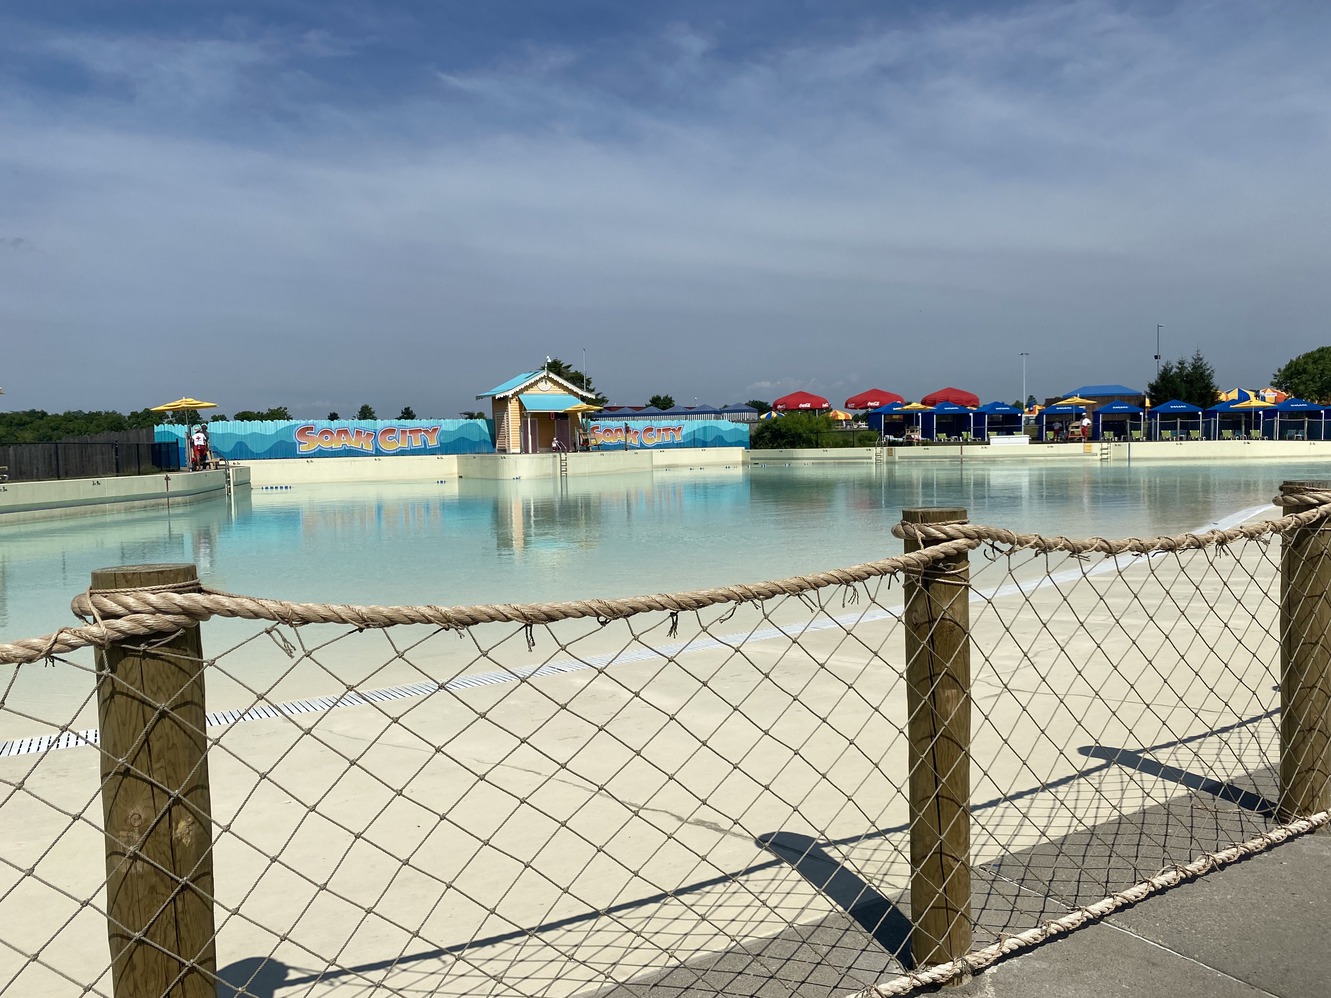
{"x": 705, "y": 792}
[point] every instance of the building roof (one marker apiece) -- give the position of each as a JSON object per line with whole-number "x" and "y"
{"x": 515, "y": 385}
{"x": 1103, "y": 391}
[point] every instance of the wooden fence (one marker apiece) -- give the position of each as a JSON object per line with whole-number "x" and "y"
{"x": 132, "y": 452}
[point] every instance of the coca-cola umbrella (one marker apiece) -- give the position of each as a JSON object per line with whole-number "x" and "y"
{"x": 957, "y": 396}
{"x": 874, "y": 398}
{"x": 805, "y": 401}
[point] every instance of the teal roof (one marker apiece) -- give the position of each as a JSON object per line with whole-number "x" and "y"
{"x": 509, "y": 385}
{"x": 548, "y": 401}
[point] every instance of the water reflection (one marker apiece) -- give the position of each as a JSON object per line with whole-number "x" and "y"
{"x": 472, "y": 540}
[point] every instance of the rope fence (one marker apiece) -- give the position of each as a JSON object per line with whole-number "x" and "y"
{"x": 867, "y": 781}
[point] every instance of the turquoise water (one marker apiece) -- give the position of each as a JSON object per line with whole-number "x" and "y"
{"x": 471, "y": 541}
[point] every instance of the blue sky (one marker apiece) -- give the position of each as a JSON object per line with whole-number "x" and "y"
{"x": 320, "y": 204}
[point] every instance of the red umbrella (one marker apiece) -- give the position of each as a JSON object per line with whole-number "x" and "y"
{"x": 800, "y": 400}
{"x": 872, "y": 399}
{"x": 953, "y": 395}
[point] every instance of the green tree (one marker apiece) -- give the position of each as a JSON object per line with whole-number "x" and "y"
{"x": 40, "y": 426}
{"x": 794, "y": 429}
{"x": 760, "y": 405}
{"x": 333, "y": 417}
{"x": 662, "y": 401}
{"x": 472, "y": 414}
{"x": 1188, "y": 380}
{"x": 277, "y": 413}
{"x": 1307, "y": 376}
{"x": 407, "y": 413}
{"x": 142, "y": 419}
{"x": 575, "y": 377}
{"x": 366, "y": 412}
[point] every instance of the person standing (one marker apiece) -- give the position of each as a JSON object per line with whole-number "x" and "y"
{"x": 199, "y": 456}
{"x": 1086, "y": 427}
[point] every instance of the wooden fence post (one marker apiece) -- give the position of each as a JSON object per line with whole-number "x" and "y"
{"x": 1305, "y": 663}
{"x": 156, "y": 803}
{"x": 938, "y": 701}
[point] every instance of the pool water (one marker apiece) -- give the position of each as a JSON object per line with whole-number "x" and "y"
{"x": 473, "y": 541}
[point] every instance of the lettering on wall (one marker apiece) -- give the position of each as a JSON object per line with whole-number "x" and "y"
{"x": 602, "y": 435}
{"x": 386, "y": 440}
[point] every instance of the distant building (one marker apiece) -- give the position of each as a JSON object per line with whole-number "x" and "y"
{"x": 537, "y": 411}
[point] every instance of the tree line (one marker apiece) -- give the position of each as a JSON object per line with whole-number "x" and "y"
{"x": 1189, "y": 379}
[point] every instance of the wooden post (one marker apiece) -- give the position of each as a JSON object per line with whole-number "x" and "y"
{"x": 938, "y": 702}
{"x": 155, "y": 802}
{"x": 1305, "y": 663}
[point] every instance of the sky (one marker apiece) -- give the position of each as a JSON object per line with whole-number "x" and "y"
{"x": 324, "y": 203}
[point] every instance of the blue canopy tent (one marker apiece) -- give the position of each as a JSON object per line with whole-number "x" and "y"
{"x": 1176, "y": 410}
{"x": 1001, "y": 416}
{"x": 704, "y": 411}
{"x": 1236, "y": 412}
{"x": 646, "y": 412}
{"x": 888, "y": 420}
{"x": 1064, "y": 414}
{"x": 739, "y": 413}
{"x": 956, "y": 419}
{"x": 1296, "y": 412}
{"x": 1115, "y": 413}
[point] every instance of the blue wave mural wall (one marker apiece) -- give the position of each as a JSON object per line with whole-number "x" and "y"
{"x": 265, "y": 439}
{"x": 644, "y": 434}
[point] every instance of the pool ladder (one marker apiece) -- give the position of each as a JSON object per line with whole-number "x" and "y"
{"x": 563, "y": 464}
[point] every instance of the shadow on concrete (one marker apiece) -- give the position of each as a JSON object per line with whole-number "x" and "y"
{"x": 1130, "y": 759}
{"x": 883, "y": 920}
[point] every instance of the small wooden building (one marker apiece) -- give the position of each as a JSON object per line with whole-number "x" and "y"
{"x": 537, "y": 411}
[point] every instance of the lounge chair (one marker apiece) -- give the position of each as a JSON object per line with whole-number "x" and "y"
{"x": 1254, "y": 434}
{"x": 1226, "y": 434}
{"x": 1137, "y": 435}
{"x": 1166, "y": 435}
{"x": 1194, "y": 434}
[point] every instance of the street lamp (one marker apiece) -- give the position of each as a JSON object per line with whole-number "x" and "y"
{"x": 1024, "y": 355}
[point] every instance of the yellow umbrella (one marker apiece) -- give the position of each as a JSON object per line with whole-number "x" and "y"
{"x": 180, "y": 405}
{"x": 840, "y": 414}
{"x": 583, "y": 407}
{"x": 1075, "y": 400}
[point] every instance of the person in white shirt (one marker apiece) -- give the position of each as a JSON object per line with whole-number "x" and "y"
{"x": 199, "y": 449}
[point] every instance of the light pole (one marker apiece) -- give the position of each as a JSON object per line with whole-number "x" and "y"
{"x": 1024, "y": 355}
{"x": 1158, "y": 326}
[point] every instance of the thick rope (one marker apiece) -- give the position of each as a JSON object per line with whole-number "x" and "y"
{"x": 964, "y": 968}
{"x": 122, "y": 614}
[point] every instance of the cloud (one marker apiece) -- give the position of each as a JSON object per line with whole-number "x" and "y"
{"x": 910, "y": 204}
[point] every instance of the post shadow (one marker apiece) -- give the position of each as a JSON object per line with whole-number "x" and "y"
{"x": 883, "y": 920}
{"x": 1130, "y": 759}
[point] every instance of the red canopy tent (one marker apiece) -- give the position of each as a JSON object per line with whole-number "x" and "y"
{"x": 800, "y": 400}
{"x": 872, "y": 399}
{"x": 954, "y": 395}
